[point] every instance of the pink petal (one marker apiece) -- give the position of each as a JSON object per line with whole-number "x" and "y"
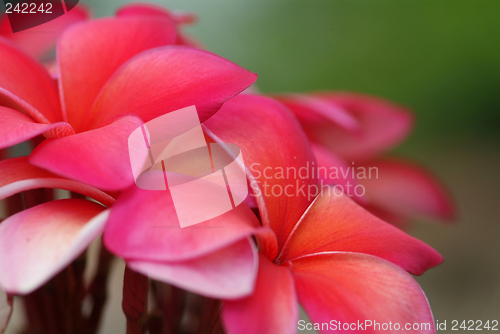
{"x": 270, "y": 140}
{"x": 380, "y": 125}
{"x": 19, "y": 175}
{"x": 88, "y": 55}
{"x": 407, "y": 190}
{"x": 227, "y": 273}
{"x": 37, "y": 41}
{"x": 37, "y": 243}
{"x": 17, "y": 128}
{"x": 352, "y": 288}
{"x": 336, "y": 223}
{"x": 272, "y": 308}
{"x": 310, "y": 108}
{"x": 155, "y": 10}
{"x": 26, "y": 86}
{"x": 5, "y": 310}
{"x": 394, "y": 219}
{"x": 267, "y": 242}
{"x": 153, "y": 232}
{"x": 143, "y": 9}
{"x": 167, "y": 79}
{"x": 332, "y": 169}
{"x": 135, "y": 9}
{"x": 97, "y": 157}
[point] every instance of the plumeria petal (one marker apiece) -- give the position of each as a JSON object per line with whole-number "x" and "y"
{"x": 332, "y": 169}
{"x": 167, "y": 79}
{"x": 143, "y": 225}
{"x": 17, "y": 127}
{"x": 136, "y": 9}
{"x": 272, "y": 308}
{"x": 97, "y": 157}
{"x": 354, "y": 288}
{"x": 25, "y": 85}
{"x": 88, "y": 54}
{"x": 37, "y": 243}
{"x": 380, "y": 125}
{"x": 19, "y": 175}
{"x": 267, "y": 242}
{"x": 5, "y": 310}
{"x": 271, "y": 141}
{"x": 226, "y": 273}
{"x": 141, "y": 9}
{"x": 334, "y": 222}
{"x": 310, "y": 108}
{"x": 145, "y": 9}
{"x": 37, "y": 41}
{"x": 408, "y": 190}
{"x": 392, "y": 218}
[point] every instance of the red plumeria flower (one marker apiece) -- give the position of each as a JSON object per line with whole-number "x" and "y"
{"x": 347, "y": 128}
{"x": 326, "y": 252}
{"x": 113, "y": 75}
{"x": 323, "y": 251}
{"x": 336, "y": 259}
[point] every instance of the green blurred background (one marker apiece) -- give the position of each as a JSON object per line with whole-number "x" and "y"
{"x": 440, "y": 58}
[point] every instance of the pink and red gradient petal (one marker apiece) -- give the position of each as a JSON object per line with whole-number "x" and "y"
{"x": 361, "y": 287}
{"x": 263, "y": 129}
{"x": 272, "y": 308}
{"x": 88, "y": 54}
{"x": 37, "y": 243}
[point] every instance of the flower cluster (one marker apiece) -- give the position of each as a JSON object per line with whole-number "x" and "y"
{"x": 336, "y": 256}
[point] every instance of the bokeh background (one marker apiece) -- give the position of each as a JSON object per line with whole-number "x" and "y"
{"x": 440, "y": 58}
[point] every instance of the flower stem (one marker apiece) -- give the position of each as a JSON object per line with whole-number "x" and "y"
{"x": 135, "y": 299}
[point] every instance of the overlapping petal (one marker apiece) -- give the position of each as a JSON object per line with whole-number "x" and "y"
{"x": 271, "y": 141}
{"x": 352, "y": 288}
{"x": 143, "y": 225}
{"x": 272, "y": 308}
{"x": 392, "y": 218}
{"x": 141, "y": 9}
{"x": 145, "y": 9}
{"x": 332, "y": 169}
{"x": 37, "y": 41}
{"x": 18, "y": 127}
{"x": 19, "y": 175}
{"x": 407, "y": 190}
{"x": 380, "y": 124}
{"x": 37, "y": 243}
{"x": 26, "y": 86}
{"x": 167, "y": 79}
{"x": 336, "y": 223}
{"x": 227, "y": 273}
{"x": 88, "y": 54}
{"x": 97, "y": 157}
{"x": 315, "y": 109}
